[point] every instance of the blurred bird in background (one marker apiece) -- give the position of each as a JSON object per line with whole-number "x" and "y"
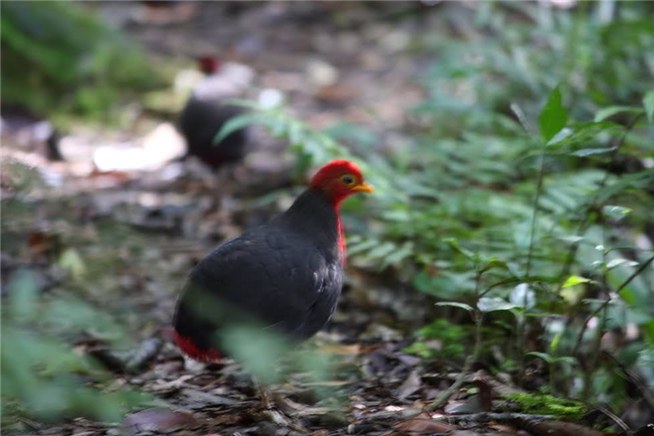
{"x": 208, "y": 110}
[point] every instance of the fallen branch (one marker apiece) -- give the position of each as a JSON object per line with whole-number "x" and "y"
{"x": 536, "y": 424}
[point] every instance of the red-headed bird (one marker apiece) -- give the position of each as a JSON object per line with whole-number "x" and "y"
{"x": 285, "y": 276}
{"x": 207, "y": 111}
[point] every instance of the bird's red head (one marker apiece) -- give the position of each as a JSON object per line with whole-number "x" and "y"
{"x": 208, "y": 64}
{"x": 339, "y": 179}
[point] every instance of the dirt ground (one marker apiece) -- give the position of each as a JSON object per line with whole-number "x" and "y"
{"x": 139, "y": 232}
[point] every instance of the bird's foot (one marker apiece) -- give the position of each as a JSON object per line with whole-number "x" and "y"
{"x": 276, "y": 410}
{"x": 265, "y": 396}
{"x": 277, "y": 418}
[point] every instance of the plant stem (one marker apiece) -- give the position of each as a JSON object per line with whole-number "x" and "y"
{"x": 521, "y": 327}
{"x": 532, "y": 230}
{"x": 590, "y": 368}
{"x": 478, "y": 318}
{"x": 467, "y": 366}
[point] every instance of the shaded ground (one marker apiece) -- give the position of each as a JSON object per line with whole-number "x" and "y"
{"x": 138, "y": 234}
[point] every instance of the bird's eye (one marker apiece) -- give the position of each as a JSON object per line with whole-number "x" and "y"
{"x": 347, "y": 179}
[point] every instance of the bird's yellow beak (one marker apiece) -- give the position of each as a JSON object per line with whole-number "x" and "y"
{"x": 363, "y": 187}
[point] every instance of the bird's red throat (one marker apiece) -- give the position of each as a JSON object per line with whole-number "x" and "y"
{"x": 341, "y": 239}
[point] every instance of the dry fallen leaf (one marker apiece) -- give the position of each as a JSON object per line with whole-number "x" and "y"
{"x": 465, "y": 433}
{"x": 412, "y": 383}
{"x": 157, "y": 420}
{"x": 421, "y": 425}
{"x": 470, "y": 405}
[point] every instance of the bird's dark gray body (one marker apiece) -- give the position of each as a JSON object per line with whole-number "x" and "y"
{"x": 286, "y": 276}
{"x": 201, "y": 120}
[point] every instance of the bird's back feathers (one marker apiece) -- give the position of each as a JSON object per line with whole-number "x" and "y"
{"x": 286, "y": 276}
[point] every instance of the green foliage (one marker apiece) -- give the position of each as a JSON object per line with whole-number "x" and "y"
{"x": 58, "y": 58}
{"x": 648, "y": 103}
{"x": 441, "y": 338}
{"x": 42, "y": 376}
{"x": 548, "y": 405}
{"x": 545, "y": 211}
{"x": 498, "y": 219}
{"x": 553, "y": 116}
{"x": 257, "y": 350}
{"x": 308, "y": 146}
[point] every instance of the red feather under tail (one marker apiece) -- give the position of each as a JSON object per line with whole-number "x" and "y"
{"x": 210, "y": 355}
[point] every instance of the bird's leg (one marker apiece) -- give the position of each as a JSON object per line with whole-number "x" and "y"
{"x": 267, "y": 405}
{"x": 218, "y": 185}
{"x": 224, "y": 187}
{"x": 264, "y": 394}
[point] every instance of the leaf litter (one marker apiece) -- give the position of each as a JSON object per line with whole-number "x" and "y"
{"x": 146, "y": 226}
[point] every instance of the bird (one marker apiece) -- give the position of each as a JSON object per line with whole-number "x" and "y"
{"x": 206, "y": 112}
{"x": 283, "y": 277}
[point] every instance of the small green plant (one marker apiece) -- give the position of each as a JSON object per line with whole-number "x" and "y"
{"x": 548, "y": 405}
{"x": 42, "y": 377}
{"x": 525, "y": 187}
{"x": 441, "y": 338}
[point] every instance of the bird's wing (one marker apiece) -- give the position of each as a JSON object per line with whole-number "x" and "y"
{"x": 274, "y": 276}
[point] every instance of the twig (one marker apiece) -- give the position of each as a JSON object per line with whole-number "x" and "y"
{"x": 590, "y": 367}
{"x": 640, "y": 269}
{"x": 535, "y": 424}
{"x": 483, "y": 417}
{"x": 508, "y": 281}
{"x": 593, "y": 314}
{"x": 613, "y": 417}
{"x": 635, "y": 379}
{"x": 445, "y": 395}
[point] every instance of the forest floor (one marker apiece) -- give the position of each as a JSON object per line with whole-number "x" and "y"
{"x": 134, "y": 234}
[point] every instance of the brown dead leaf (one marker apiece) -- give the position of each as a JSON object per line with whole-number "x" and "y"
{"x": 226, "y": 419}
{"x": 560, "y": 428}
{"x": 335, "y": 93}
{"x": 341, "y": 349}
{"x": 198, "y": 399}
{"x": 157, "y": 421}
{"x": 328, "y": 383}
{"x": 470, "y": 405}
{"x": 503, "y": 428}
{"x": 110, "y": 179}
{"x": 412, "y": 383}
{"x": 162, "y": 386}
{"x": 485, "y": 391}
{"x": 420, "y": 425}
{"x": 42, "y": 244}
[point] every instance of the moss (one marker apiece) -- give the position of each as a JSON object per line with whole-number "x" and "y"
{"x": 548, "y": 405}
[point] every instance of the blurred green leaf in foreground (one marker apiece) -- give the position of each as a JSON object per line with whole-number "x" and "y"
{"x": 58, "y": 58}
{"x": 42, "y": 376}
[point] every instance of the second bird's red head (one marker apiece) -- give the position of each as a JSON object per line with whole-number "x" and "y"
{"x": 208, "y": 64}
{"x": 339, "y": 179}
